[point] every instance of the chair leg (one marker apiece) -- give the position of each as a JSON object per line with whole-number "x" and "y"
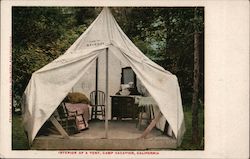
{"x": 140, "y": 117}
{"x": 103, "y": 111}
{"x": 84, "y": 121}
{"x": 66, "y": 126}
{"x": 140, "y": 120}
{"x": 92, "y": 112}
{"x": 96, "y": 111}
{"x": 76, "y": 128}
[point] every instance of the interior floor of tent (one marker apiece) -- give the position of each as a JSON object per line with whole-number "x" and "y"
{"x": 122, "y": 134}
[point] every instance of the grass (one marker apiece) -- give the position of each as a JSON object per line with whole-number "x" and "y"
{"x": 187, "y": 138}
{"x": 19, "y": 139}
{"x": 20, "y": 142}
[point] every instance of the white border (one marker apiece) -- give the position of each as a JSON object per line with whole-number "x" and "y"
{"x": 226, "y": 78}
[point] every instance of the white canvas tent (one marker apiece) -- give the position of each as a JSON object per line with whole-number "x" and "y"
{"x": 103, "y": 39}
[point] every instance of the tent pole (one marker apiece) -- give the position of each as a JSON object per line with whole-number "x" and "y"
{"x": 106, "y": 105}
{"x": 96, "y": 87}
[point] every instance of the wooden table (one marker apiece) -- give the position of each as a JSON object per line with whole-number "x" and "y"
{"x": 123, "y": 107}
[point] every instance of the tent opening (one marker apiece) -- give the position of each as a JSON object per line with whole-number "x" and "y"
{"x": 122, "y": 103}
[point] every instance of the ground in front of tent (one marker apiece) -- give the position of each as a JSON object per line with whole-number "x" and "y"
{"x": 20, "y": 142}
{"x": 122, "y": 135}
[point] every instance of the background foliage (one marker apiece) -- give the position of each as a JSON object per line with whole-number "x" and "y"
{"x": 165, "y": 35}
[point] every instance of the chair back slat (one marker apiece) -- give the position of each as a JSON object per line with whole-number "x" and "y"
{"x": 62, "y": 111}
{"x": 100, "y": 98}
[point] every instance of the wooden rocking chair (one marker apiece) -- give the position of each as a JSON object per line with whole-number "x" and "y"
{"x": 68, "y": 119}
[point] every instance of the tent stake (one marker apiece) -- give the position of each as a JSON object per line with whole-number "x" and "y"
{"x": 107, "y": 86}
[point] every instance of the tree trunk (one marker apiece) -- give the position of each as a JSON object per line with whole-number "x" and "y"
{"x": 195, "y": 130}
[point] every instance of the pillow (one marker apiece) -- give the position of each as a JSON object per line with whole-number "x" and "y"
{"x": 77, "y": 97}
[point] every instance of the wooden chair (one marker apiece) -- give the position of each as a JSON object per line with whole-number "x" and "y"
{"x": 97, "y": 101}
{"x": 68, "y": 119}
